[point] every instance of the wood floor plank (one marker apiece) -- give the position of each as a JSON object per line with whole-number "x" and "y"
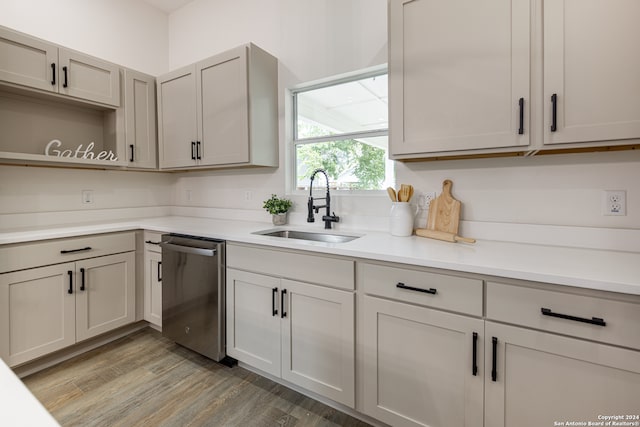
{"x": 146, "y": 380}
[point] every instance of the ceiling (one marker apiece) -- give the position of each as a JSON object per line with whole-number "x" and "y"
{"x": 167, "y": 6}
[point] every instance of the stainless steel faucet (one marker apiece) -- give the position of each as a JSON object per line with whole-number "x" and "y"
{"x": 328, "y": 218}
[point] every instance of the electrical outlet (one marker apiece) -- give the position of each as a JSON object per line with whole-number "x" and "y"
{"x": 614, "y": 202}
{"x": 87, "y": 197}
{"x": 248, "y": 195}
{"x": 428, "y": 197}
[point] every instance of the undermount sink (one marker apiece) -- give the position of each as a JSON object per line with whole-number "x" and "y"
{"x": 308, "y": 235}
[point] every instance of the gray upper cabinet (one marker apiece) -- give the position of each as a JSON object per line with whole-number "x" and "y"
{"x": 220, "y": 112}
{"x": 140, "y": 119}
{"x": 27, "y": 61}
{"x": 458, "y": 76}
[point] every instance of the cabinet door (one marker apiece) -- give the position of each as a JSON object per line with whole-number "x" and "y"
{"x": 177, "y": 126}
{"x": 457, "y": 72}
{"x": 419, "y": 366}
{"x": 37, "y": 312}
{"x": 140, "y": 118}
{"x": 83, "y": 76}
{"x": 568, "y": 379}
{"x": 595, "y": 74}
{"x": 253, "y": 320}
{"x": 27, "y": 61}
{"x": 318, "y": 341}
{"x": 105, "y": 298}
{"x": 223, "y": 117}
{"x": 153, "y": 288}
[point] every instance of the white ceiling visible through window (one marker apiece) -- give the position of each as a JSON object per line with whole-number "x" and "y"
{"x": 346, "y": 108}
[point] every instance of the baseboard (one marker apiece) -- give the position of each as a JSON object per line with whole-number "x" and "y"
{"x": 60, "y": 356}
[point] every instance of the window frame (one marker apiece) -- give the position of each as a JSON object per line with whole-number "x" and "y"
{"x": 295, "y": 141}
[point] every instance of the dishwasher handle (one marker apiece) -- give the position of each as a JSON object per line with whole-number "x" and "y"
{"x": 188, "y": 249}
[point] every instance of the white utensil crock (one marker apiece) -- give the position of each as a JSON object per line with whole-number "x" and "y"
{"x": 401, "y": 221}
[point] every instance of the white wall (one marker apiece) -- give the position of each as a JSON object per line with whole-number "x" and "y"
{"x": 127, "y": 32}
{"x": 314, "y": 39}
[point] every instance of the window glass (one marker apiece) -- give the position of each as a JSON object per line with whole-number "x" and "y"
{"x": 343, "y": 129}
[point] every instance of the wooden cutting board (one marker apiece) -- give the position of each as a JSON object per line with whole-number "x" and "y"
{"x": 444, "y": 211}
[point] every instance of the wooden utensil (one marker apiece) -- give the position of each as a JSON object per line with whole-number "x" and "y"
{"x": 442, "y": 235}
{"x": 444, "y": 211}
{"x": 405, "y": 193}
{"x": 392, "y": 194}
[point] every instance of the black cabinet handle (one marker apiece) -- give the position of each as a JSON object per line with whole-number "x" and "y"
{"x": 521, "y": 128}
{"x": 53, "y": 74}
{"x": 554, "y": 112}
{"x": 151, "y": 242}
{"x": 70, "y": 291}
{"x": 82, "y": 279}
{"x": 283, "y": 313}
{"x": 132, "y": 152}
{"x": 70, "y": 251}
{"x": 274, "y": 293}
{"x": 193, "y": 150}
{"x": 494, "y": 362}
{"x": 159, "y": 271}
{"x": 431, "y": 291}
{"x": 474, "y": 363}
{"x": 198, "y": 156}
{"x": 64, "y": 70}
{"x": 593, "y": 321}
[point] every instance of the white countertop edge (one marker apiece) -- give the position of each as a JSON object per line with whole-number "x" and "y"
{"x": 19, "y": 407}
{"x": 584, "y": 268}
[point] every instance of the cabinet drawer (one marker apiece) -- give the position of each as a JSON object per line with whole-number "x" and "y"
{"x": 311, "y": 268}
{"x": 20, "y": 256}
{"x": 152, "y": 241}
{"x": 523, "y": 306}
{"x": 453, "y": 293}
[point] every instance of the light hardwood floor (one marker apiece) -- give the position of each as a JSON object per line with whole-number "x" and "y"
{"x": 147, "y": 380}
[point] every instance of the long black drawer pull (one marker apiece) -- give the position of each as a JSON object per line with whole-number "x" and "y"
{"x": 70, "y": 251}
{"x": 474, "y": 363}
{"x": 82, "y": 279}
{"x": 70, "y": 291}
{"x": 159, "y": 271}
{"x": 274, "y": 293}
{"x": 431, "y": 291}
{"x": 193, "y": 150}
{"x": 64, "y": 70}
{"x": 593, "y": 321}
{"x": 494, "y": 362}
{"x": 131, "y": 147}
{"x": 554, "y": 112}
{"x": 151, "y": 242}
{"x": 283, "y": 295}
{"x": 198, "y": 155}
{"x": 53, "y": 74}
{"x": 521, "y": 128}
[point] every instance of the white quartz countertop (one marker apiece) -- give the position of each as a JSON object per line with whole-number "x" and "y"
{"x": 614, "y": 271}
{"x": 18, "y": 406}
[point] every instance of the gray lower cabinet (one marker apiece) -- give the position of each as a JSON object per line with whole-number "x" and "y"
{"x": 295, "y": 330}
{"x": 542, "y": 379}
{"x": 220, "y": 112}
{"x": 419, "y": 367}
{"x": 34, "y": 63}
{"x": 48, "y": 308}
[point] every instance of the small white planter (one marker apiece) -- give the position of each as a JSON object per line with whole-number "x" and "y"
{"x": 279, "y": 219}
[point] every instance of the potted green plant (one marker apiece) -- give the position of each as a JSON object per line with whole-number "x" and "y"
{"x": 278, "y": 209}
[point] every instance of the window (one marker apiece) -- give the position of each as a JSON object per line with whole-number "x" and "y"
{"x": 341, "y": 126}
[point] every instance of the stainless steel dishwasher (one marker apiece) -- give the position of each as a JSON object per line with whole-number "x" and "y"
{"x": 193, "y": 297}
